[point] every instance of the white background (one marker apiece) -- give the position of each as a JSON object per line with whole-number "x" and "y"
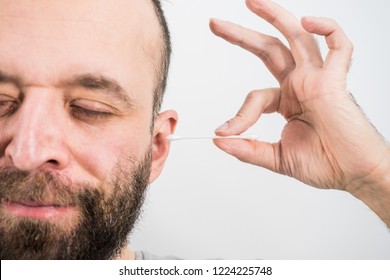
{"x": 207, "y": 204}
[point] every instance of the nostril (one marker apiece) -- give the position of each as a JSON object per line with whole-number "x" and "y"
{"x": 53, "y": 161}
{"x": 29, "y": 151}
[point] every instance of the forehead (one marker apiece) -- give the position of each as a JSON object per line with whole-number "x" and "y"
{"x": 41, "y": 37}
{"x": 116, "y": 16}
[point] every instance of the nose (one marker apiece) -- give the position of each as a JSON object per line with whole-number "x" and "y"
{"x": 36, "y": 135}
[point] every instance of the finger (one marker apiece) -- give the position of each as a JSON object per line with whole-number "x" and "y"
{"x": 275, "y": 55}
{"x": 303, "y": 45}
{"x": 254, "y": 152}
{"x": 340, "y": 47}
{"x": 256, "y": 103}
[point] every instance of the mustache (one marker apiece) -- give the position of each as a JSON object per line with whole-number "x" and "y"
{"x": 42, "y": 187}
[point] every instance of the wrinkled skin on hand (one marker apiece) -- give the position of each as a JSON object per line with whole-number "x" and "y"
{"x": 327, "y": 141}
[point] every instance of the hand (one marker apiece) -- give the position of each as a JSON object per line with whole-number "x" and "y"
{"x": 327, "y": 142}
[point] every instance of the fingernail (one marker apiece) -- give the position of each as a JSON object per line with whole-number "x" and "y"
{"x": 223, "y": 127}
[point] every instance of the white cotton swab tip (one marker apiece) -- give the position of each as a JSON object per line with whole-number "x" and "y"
{"x": 173, "y": 137}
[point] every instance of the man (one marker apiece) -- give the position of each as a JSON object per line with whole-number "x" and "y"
{"x": 81, "y": 134}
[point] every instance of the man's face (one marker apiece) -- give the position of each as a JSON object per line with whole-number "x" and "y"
{"x": 76, "y": 147}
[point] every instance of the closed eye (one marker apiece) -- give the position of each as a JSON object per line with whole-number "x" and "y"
{"x": 85, "y": 109}
{"x": 80, "y": 112}
{"x": 7, "y": 107}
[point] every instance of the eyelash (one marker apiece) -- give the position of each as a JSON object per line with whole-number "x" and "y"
{"x": 80, "y": 113}
{"x": 7, "y": 108}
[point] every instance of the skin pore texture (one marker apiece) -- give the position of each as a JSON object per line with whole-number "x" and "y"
{"x": 77, "y": 80}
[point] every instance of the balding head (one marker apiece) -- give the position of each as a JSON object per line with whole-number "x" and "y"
{"x": 133, "y": 24}
{"x": 81, "y": 82}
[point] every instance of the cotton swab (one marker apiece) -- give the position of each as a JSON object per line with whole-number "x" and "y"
{"x": 178, "y": 137}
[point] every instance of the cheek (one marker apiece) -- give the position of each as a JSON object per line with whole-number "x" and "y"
{"x": 101, "y": 150}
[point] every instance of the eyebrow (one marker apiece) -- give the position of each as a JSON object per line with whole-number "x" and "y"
{"x": 95, "y": 82}
{"x": 101, "y": 83}
{"x": 5, "y": 78}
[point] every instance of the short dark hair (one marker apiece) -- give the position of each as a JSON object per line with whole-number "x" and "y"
{"x": 165, "y": 58}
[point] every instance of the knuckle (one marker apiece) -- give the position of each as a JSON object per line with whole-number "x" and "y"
{"x": 274, "y": 41}
{"x": 349, "y": 45}
{"x": 241, "y": 40}
{"x": 333, "y": 22}
{"x": 346, "y": 46}
{"x": 241, "y": 115}
{"x": 253, "y": 95}
{"x": 263, "y": 55}
{"x": 269, "y": 45}
{"x": 296, "y": 35}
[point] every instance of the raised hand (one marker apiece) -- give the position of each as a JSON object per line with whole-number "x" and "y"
{"x": 327, "y": 141}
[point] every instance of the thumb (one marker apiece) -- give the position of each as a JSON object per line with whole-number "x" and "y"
{"x": 258, "y": 153}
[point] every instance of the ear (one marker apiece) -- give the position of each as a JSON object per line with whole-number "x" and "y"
{"x": 165, "y": 125}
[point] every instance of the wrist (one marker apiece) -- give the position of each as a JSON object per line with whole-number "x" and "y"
{"x": 374, "y": 190}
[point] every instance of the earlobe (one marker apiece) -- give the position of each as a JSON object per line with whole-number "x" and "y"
{"x": 165, "y": 125}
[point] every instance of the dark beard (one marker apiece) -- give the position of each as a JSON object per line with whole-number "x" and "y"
{"x": 99, "y": 232}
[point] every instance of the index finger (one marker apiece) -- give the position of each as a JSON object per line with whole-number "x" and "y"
{"x": 303, "y": 45}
